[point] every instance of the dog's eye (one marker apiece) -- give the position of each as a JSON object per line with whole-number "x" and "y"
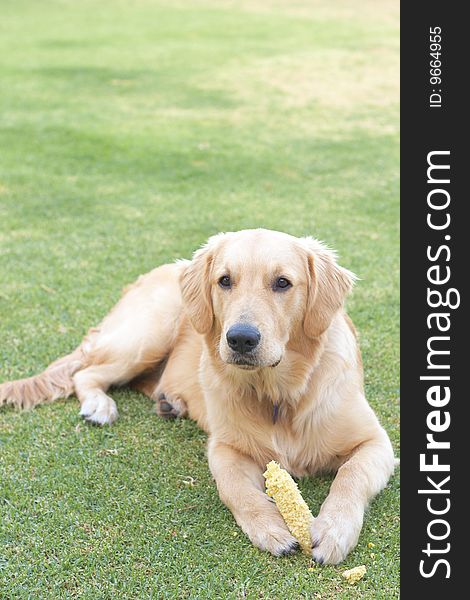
{"x": 225, "y": 282}
{"x": 281, "y": 284}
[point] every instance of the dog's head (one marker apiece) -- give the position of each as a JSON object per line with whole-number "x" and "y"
{"x": 252, "y": 290}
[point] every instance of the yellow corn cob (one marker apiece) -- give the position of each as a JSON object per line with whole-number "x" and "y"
{"x": 355, "y": 574}
{"x": 293, "y": 508}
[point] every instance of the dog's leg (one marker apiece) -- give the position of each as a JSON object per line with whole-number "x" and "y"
{"x": 241, "y": 488}
{"x": 175, "y": 386}
{"x": 138, "y": 334}
{"x": 336, "y": 529}
{"x": 117, "y": 362}
{"x": 168, "y": 403}
{"x": 169, "y": 394}
{"x": 91, "y": 385}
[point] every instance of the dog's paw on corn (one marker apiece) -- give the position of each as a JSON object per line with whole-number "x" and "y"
{"x": 293, "y": 508}
{"x": 295, "y": 512}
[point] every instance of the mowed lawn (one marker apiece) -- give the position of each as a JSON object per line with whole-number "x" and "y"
{"x": 130, "y": 131}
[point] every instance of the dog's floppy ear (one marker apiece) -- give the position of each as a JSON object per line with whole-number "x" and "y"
{"x": 195, "y": 288}
{"x": 328, "y": 285}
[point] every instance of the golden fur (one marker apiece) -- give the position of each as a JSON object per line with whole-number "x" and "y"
{"x": 299, "y": 401}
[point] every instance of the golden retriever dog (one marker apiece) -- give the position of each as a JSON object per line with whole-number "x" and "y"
{"x": 249, "y": 339}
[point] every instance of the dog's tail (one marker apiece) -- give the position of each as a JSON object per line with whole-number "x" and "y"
{"x": 53, "y": 383}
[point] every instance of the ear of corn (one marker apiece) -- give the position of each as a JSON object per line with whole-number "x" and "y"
{"x": 293, "y": 508}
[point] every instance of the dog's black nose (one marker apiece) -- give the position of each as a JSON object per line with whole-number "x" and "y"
{"x": 243, "y": 338}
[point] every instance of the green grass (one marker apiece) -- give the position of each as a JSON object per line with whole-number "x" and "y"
{"x": 130, "y": 132}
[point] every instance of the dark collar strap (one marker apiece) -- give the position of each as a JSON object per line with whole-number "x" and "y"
{"x": 275, "y": 413}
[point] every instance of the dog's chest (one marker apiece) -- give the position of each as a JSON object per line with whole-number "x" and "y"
{"x": 290, "y": 449}
{"x": 304, "y": 436}
{"x": 299, "y": 445}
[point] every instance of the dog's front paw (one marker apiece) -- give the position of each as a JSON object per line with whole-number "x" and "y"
{"x": 267, "y": 531}
{"x": 334, "y": 536}
{"x": 170, "y": 406}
